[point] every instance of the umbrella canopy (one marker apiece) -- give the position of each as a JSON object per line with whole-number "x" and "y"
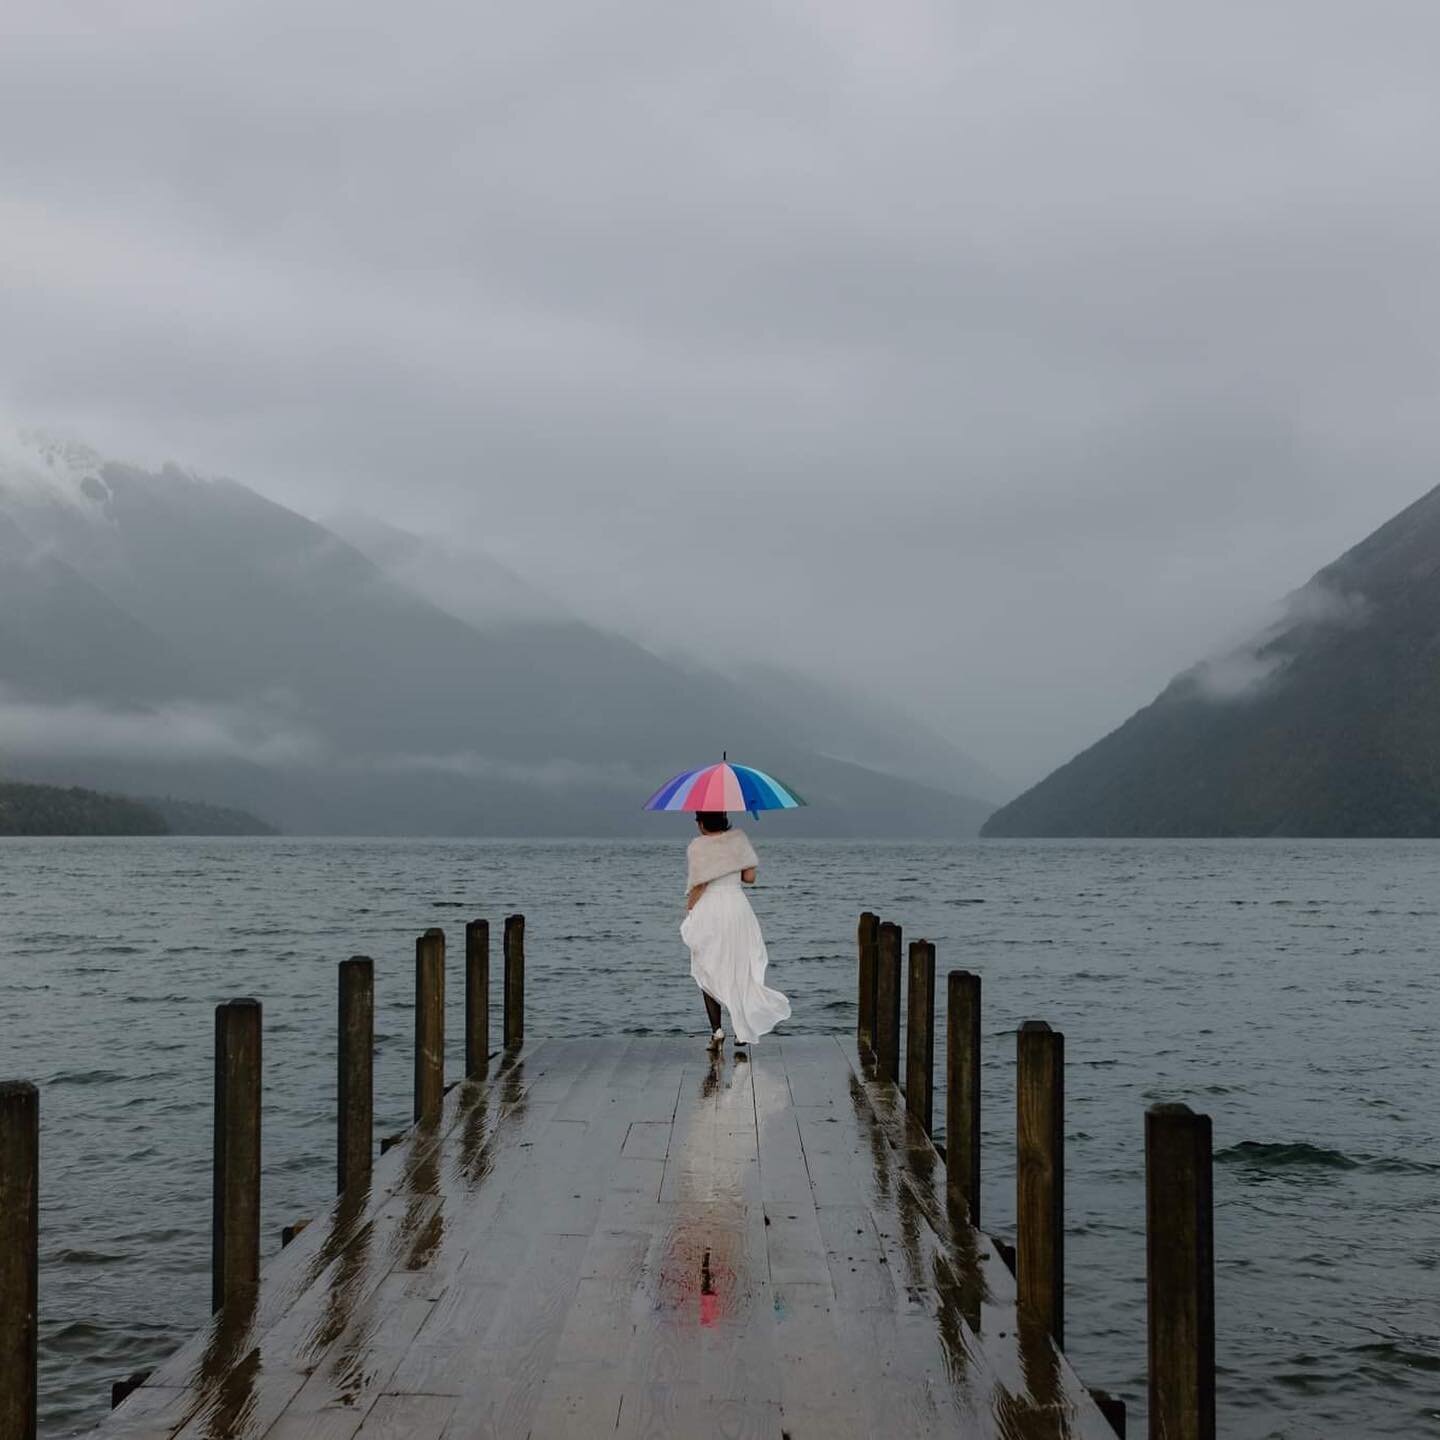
{"x": 724, "y": 787}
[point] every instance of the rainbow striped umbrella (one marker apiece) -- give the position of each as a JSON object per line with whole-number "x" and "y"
{"x": 725, "y": 786}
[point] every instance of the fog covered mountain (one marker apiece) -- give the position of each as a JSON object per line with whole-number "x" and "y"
{"x": 1327, "y": 723}
{"x": 164, "y": 633}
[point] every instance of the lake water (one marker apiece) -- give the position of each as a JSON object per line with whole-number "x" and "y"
{"x": 1287, "y": 989}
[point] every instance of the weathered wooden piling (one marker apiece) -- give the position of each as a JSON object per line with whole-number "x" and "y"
{"x": 19, "y": 1256}
{"x": 869, "y": 945}
{"x": 514, "y": 981}
{"x": 122, "y": 1390}
{"x": 429, "y": 1025}
{"x": 1180, "y": 1273}
{"x": 1112, "y": 1407}
{"x": 1040, "y": 1175}
{"x": 355, "y": 1108}
{"x": 920, "y": 1035}
{"x": 477, "y": 997}
{"x": 887, "y": 1003}
{"x": 962, "y": 1090}
{"x": 235, "y": 1231}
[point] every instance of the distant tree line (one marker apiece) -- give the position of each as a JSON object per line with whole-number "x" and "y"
{"x": 60, "y": 810}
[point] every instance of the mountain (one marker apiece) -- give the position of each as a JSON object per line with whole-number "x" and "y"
{"x": 463, "y": 579}
{"x": 866, "y": 731}
{"x": 185, "y": 636}
{"x": 193, "y": 817}
{"x": 1324, "y": 724}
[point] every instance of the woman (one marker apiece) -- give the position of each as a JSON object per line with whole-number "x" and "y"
{"x": 727, "y": 950}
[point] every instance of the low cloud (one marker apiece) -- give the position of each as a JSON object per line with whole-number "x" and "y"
{"x": 179, "y": 730}
{"x": 557, "y": 773}
{"x": 1242, "y": 673}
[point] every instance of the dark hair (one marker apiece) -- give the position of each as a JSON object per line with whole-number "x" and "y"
{"x": 713, "y": 822}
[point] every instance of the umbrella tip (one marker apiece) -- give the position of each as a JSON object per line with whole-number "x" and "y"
{"x": 724, "y": 755}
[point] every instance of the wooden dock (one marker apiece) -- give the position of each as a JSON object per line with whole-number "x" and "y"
{"x": 625, "y": 1237}
{"x": 634, "y": 1237}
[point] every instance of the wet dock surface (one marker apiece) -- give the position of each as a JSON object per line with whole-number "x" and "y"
{"x": 625, "y": 1237}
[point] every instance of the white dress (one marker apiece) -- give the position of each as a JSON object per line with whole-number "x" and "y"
{"x": 728, "y": 958}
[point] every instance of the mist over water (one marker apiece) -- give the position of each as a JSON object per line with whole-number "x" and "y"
{"x": 1286, "y": 989}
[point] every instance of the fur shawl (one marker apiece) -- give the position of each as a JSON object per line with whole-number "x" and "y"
{"x": 711, "y": 856}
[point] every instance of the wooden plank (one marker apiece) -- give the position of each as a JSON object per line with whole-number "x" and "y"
{"x": 309, "y": 1290}
{"x": 510, "y": 1364}
{"x": 567, "y": 1170}
{"x": 860, "y": 1273}
{"x": 408, "y": 1417}
{"x": 580, "y": 1246}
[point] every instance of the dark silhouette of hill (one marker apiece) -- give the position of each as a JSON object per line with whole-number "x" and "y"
{"x": 71, "y": 810}
{"x": 1326, "y": 724}
{"x": 50, "y": 810}
{"x": 192, "y": 817}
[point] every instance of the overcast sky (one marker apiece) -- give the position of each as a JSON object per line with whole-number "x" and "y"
{"x": 1011, "y": 355}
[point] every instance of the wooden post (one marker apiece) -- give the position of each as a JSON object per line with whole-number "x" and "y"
{"x": 887, "y": 1003}
{"x": 514, "y": 981}
{"x": 235, "y": 1231}
{"x": 429, "y": 1025}
{"x": 19, "y": 1257}
{"x": 1180, "y": 1273}
{"x": 1040, "y": 1175}
{"x": 962, "y": 1090}
{"x": 920, "y": 1035}
{"x": 869, "y": 957}
{"x": 477, "y": 997}
{"x": 1113, "y": 1409}
{"x": 355, "y": 1141}
{"x": 122, "y": 1390}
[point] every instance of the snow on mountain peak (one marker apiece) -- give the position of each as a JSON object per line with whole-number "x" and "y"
{"x": 41, "y": 469}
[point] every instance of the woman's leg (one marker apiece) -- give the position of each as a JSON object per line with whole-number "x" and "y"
{"x": 712, "y": 1010}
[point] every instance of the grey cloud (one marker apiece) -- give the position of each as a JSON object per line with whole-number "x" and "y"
{"x": 1015, "y": 354}
{"x": 1243, "y": 671}
{"x": 552, "y": 774}
{"x": 179, "y": 731}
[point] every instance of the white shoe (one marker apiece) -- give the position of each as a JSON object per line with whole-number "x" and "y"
{"x": 717, "y": 1042}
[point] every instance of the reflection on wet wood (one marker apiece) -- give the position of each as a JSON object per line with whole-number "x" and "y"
{"x": 631, "y": 1237}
